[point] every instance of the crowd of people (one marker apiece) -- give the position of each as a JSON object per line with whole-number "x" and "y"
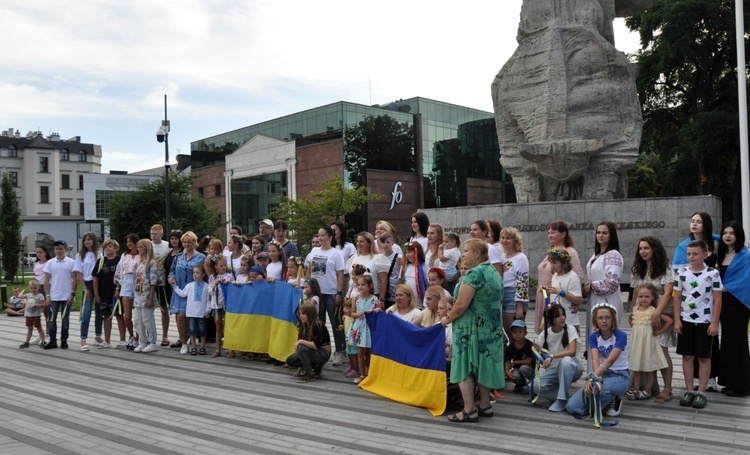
{"x": 478, "y": 289}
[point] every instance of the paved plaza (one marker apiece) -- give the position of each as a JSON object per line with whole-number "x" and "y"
{"x": 111, "y": 401}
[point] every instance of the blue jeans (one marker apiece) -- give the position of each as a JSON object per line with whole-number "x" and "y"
{"x": 86, "y": 313}
{"x": 55, "y": 306}
{"x": 615, "y": 383}
{"x": 555, "y": 382}
{"x": 328, "y": 305}
{"x": 196, "y": 327}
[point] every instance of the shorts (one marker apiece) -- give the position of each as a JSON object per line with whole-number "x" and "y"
{"x": 666, "y": 339}
{"x": 197, "y": 327}
{"x": 695, "y": 340}
{"x": 218, "y": 313}
{"x": 34, "y": 321}
{"x": 127, "y": 285}
{"x": 509, "y": 302}
{"x": 161, "y": 298}
{"x": 351, "y": 349}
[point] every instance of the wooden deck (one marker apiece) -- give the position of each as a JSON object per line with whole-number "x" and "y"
{"x": 115, "y": 401}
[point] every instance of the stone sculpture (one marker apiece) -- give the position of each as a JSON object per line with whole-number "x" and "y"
{"x": 567, "y": 112}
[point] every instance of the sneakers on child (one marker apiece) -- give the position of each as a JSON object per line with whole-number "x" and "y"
{"x": 712, "y": 386}
{"x": 615, "y": 407}
{"x": 700, "y": 401}
{"x": 24, "y": 345}
{"x": 338, "y": 359}
{"x": 184, "y": 349}
{"x": 306, "y": 378}
{"x": 42, "y": 344}
{"x": 150, "y": 348}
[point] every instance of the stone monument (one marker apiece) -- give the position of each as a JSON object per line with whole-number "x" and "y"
{"x": 567, "y": 112}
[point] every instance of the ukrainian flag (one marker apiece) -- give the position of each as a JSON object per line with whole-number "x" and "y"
{"x": 261, "y": 317}
{"x": 407, "y": 363}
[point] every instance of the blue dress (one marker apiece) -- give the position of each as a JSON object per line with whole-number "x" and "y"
{"x": 182, "y": 272}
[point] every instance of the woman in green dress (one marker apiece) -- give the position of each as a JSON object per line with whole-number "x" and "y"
{"x": 478, "y": 339}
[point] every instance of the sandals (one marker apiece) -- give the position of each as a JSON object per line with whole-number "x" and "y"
{"x": 216, "y": 354}
{"x": 164, "y": 342}
{"x": 485, "y": 412}
{"x": 638, "y": 395}
{"x": 193, "y": 351}
{"x": 202, "y": 351}
{"x": 465, "y": 417}
{"x": 664, "y": 396}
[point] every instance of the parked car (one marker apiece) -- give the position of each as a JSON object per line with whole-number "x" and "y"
{"x": 29, "y": 258}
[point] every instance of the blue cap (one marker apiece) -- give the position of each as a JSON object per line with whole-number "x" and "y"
{"x": 518, "y": 323}
{"x": 257, "y": 269}
{"x": 61, "y": 243}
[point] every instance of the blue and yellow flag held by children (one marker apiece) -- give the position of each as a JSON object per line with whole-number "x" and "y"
{"x": 260, "y": 317}
{"x": 407, "y": 363}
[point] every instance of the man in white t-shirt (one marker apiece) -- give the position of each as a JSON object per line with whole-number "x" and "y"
{"x": 60, "y": 289}
{"x": 161, "y": 251}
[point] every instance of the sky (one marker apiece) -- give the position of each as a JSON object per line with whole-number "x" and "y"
{"x": 100, "y": 69}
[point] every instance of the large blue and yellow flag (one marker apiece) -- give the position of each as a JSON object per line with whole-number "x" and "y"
{"x": 407, "y": 363}
{"x": 260, "y": 317}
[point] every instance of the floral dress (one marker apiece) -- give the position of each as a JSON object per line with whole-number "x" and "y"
{"x": 359, "y": 332}
{"x": 478, "y": 340}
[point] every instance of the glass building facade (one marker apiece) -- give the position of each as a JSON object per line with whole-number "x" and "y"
{"x": 455, "y": 143}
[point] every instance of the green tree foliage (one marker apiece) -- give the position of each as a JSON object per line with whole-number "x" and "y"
{"x": 643, "y": 180}
{"x": 136, "y": 211}
{"x": 10, "y": 228}
{"x": 308, "y": 214}
{"x": 378, "y": 142}
{"x": 688, "y": 89}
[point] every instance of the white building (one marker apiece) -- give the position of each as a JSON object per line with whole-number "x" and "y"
{"x": 48, "y": 174}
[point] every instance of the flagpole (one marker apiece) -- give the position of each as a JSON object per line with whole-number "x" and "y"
{"x": 742, "y": 99}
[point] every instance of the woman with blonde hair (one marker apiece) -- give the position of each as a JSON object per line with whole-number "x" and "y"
{"x": 515, "y": 277}
{"x": 180, "y": 274}
{"x": 146, "y": 278}
{"x": 434, "y": 241}
{"x": 405, "y": 307}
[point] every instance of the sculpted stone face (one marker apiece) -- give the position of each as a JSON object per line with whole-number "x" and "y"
{"x": 567, "y": 112}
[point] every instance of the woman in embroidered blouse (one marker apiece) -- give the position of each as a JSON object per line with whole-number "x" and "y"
{"x": 180, "y": 274}
{"x": 604, "y": 270}
{"x": 515, "y": 277}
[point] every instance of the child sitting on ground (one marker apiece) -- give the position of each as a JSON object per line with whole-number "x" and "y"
{"x": 17, "y": 303}
{"x": 519, "y": 358}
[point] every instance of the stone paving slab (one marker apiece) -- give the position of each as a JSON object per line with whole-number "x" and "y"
{"x": 116, "y": 401}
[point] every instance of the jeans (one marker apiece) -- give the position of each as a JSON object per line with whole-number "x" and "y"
{"x": 56, "y": 305}
{"x": 555, "y": 382}
{"x": 196, "y": 326}
{"x": 86, "y": 313}
{"x": 615, "y": 383}
{"x": 308, "y": 359}
{"x": 145, "y": 324}
{"x": 328, "y": 305}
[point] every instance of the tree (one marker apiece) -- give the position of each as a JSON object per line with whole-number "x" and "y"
{"x": 10, "y": 228}
{"x": 308, "y": 214}
{"x": 136, "y": 211}
{"x": 378, "y": 143}
{"x": 688, "y": 89}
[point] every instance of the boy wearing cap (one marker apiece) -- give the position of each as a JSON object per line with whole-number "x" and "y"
{"x": 60, "y": 289}
{"x": 519, "y": 358}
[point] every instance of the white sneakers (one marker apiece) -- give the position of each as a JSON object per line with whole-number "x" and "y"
{"x": 184, "y": 349}
{"x": 140, "y": 347}
{"x": 35, "y": 340}
{"x": 150, "y": 348}
{"x": 338, "y": 359}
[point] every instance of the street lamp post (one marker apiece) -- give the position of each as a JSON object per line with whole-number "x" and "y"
{"x": 162, "y": 135}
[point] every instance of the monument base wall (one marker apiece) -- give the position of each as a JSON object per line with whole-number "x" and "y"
{"x": 666, "y": 218}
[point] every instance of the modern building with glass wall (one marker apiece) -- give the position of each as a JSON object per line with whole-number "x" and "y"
{"x": 453, "y": 150}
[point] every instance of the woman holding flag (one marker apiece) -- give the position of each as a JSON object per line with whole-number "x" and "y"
{"x": 478, "y": 338}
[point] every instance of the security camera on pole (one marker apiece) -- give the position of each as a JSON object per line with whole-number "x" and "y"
{"x": 162, "y": 135}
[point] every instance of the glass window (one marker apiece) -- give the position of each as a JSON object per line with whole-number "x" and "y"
{"x": 65, "y": 181}
{"x": 200, "y": 192}
{"x": 102, "y": 203}
{"x": 13, "y": 178}
{"x": 44, "y": 194}
{"x": 12, "y": 152}
{"x": 217, "y": 190}
{"x": 82, "y": 156}
{"x": 80, "y": 182}
{"x": 64, "y": 155}
{"x": 80, "y": 208}
{"x": 66, "y": 208}
{"x": 44, "y": 164}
